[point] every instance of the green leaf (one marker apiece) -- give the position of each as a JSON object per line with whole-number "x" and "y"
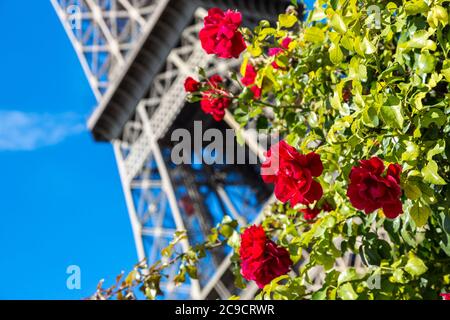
{"x": 336, "y": 55}
{"x": 349, "y": 274}
{"x": 320, "y": 295}
{"x": 314, "y": 34}
{"x": 415, "y": 266}
{"x": 369, "y": 47}
{"x": 420, "y": 214}
{"x": 438, "y": 149}
{"x": 226, "y": 230}
{"x": 398, "y": 276}
{"x": 391, "y": 114}
{"x": 346, "y": 292}
{"x": 435, "y": 116}
{"x": 419, "y": 39}
{"x": 338, "y": 24}
{"x": 437, "y": 15}
{"x": 317, "y": 14}
{"x": 359, "y": 47}
{"x": 357, "y": 70}
{"x": 430, "y": 174}
{"x": 445, "y": 222}
{"x": 347, "y": 42}
{"x": 192, "y": 271}
{"x": 370, "y": 117}
{"x": 412, "y": 191}
{"x": 425, "y": 63}
{"x": 287, "y": 20}
{"x": 446, "y": 70}
{"x": 412, "y": 151}
{"x": 415, "y": 7}
{"x": 266, "y": 32}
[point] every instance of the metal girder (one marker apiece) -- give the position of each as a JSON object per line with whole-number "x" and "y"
{"x": 123, "y": 45}
{"x": 105, "y": 33}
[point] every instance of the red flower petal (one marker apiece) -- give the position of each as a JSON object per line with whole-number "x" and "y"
{"x": 286, "y": 42}
{"x": 314, "y": 193}
{"x": 374, "y": 165}
{"x": 393, "y": 209}
{"x": 394, "y": 170}
{"x": 314, "y": 164}
{"x": 191, "y": 85}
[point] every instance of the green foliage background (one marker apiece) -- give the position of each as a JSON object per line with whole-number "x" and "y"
{"x": 358, "y": 89}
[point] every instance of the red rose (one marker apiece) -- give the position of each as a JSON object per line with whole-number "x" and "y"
{"x": 220, "y": 34}
{"x": 215, "y": 100}
{"x": 215, "y": 80}
{"x": 445, "y": 296}
{"x": 370, "y": 189}
{"x": 250, "y": 75}
{"x": 292, "y": 173}
{"x": 275, "y": 51}
{"x": 191, "y": 85}
{"x": 249, "y": 81}
{"x": 256, "y": 92}
{"x": 214, "y": 105}
{"x": 286, "y": 42}
{"x": 261, "y": 259}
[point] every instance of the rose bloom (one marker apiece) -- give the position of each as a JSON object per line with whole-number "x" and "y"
{"x": 215, "y": 80}
{"x": 191, "y": 85}
{"x": 371, "y": 189}
{"x": 220, "y": 34}
{"x": 261, "y": 259}
{"x": 286, "y": 42}
{"x": 249, "y": 81}
{"x": 293, "y": 173}
{"x": 215, "y": 100}
{"x": 445, "y": 296}
{"x": 214, "y": 105}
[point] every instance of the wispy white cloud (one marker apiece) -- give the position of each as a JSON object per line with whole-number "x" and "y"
{"x": 30, "y": 131}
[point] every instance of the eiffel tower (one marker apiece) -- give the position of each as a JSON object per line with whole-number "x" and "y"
{"x": 136, "y": 55}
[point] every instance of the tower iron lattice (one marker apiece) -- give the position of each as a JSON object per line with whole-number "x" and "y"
{"x": 136, "y": 55}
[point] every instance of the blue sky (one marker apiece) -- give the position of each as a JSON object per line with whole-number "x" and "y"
{"x": 61, "y": 200}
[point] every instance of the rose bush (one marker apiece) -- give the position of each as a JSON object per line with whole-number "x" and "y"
{"x": 362, "y": 101}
